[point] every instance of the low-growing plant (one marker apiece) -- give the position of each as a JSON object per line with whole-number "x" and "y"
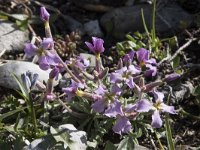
{"x": 114, "y": 108}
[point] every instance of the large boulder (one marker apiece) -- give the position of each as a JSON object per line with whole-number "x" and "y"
{"x": 169, "y": 20}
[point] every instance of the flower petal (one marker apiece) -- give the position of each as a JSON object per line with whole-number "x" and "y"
{"x": 166, "y": 108}
{"x": 122, "y": 125}
{"x": 130, "y": 82}
{"x": 44, "y": 15}
{"x": 47, "y": 43}
{"x": 100, "y": 90}
{"x": 158, "y": 96}
{"x": 151, "y": 70}
{"x": 114, "y": 109}
{"x": 90, "y": 46}
{"x": 142, "y": 55}
{"x": 143, "y": 106}
{"x": 98, "y": 45}
{"x": 30, "y": 49}
{"x": 99, "y": 106}
{"x": 133, "y": 70}
{"x": 156, "y": 120}
{"x": 116, "y": 90}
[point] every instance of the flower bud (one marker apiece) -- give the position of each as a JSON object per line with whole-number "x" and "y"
{"x": 44, "y": 15}
{"x": 149, "y": 87}
{"x": 54, "y": 73}
{"x": 104, "y": 73}
{"x": 171, "y": 77}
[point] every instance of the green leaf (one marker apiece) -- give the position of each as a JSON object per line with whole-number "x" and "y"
{"x": 110, "y": 146}
{"x": 129, "y": 37}
{"x": 10, "y": 113}
{"x": 126, "y": 144}
{"x": 176, "y": 62}
{"x": 17, "y": 79}
{"x": 60, "y": 136}
{"x": 23, "y": 25}
{"x": 196, "y": 91}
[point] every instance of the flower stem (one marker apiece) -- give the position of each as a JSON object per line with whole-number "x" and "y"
{"x": 170, "y": 142}
{"x": 69, "y": 110}
{"x": 68, "y": 70}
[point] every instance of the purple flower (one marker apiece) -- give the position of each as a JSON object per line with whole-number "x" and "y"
{"x": 44, "y": 15}
{"x": 108, "y": 103}
{"x": 81, "y": 62}
{"x": 96, "y": 46}
{"x": 129, "y": 56}
{"x": 151, "y": 71}
{"x": 71, "y": 91}
{"x": 29, "y": 80}
{"x": 50, "y": 96}
{"x": 142, "y": 55}
{"x": 100, "y": 105}
{"x": 157, "y": 107}
{"x": 146, "y": 64}
{"x": 124, "y": 75}
{"x": 47, "y": 57}
{"x": 122, "y": 125}
{"x": 30, "y": 49}
{"x": 114, "y": 109}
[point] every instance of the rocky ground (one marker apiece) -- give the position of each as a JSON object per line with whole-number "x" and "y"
{"x": 110, "y": 20}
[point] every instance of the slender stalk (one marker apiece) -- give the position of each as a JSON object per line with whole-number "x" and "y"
{"x": 189, "y": 115}
{"x": 69, "y": 110}
{"x": 144, "y": 24}
{"x": 68, "y": 70}
{"x": 33, "y": 116}
{"x": 153, "y": 21}
{"x": 170, "y": 142}
{"x": 159, "y": 142}
{"x": 47, "y": 29}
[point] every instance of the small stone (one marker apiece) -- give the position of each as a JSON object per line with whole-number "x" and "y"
{"x": 92, "y": 28}
{"x": 90, "y": 57}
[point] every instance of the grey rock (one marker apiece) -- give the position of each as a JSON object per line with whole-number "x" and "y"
{"x": 11, "y": 38}
{"x": 72, "y": 24}
{"x": 183, "y": 91}
{"x": 78, "y": 138}
{"x": 90, "y": 57}
{"x": 18, "y": 68}
{"x": 169, "y": 20}
{"x": 92, "y": 28}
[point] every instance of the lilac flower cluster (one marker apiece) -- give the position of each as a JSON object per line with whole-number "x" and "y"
{"x": 108, "y": 89}
{"x": 108, "y": 98}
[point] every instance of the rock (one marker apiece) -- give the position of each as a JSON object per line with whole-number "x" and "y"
{"x": 92, "y": 28}
{"x": 183, "y": 91}
{"x": 169, "y": 20}
{"x": 78, "y": 138}
{"x": 90, "y": 57}
{"x": 72, "y": 24}
{"x": 17, "y": 68}
{"x": 11, "y": 38}
{"x": 67, "y": 134}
